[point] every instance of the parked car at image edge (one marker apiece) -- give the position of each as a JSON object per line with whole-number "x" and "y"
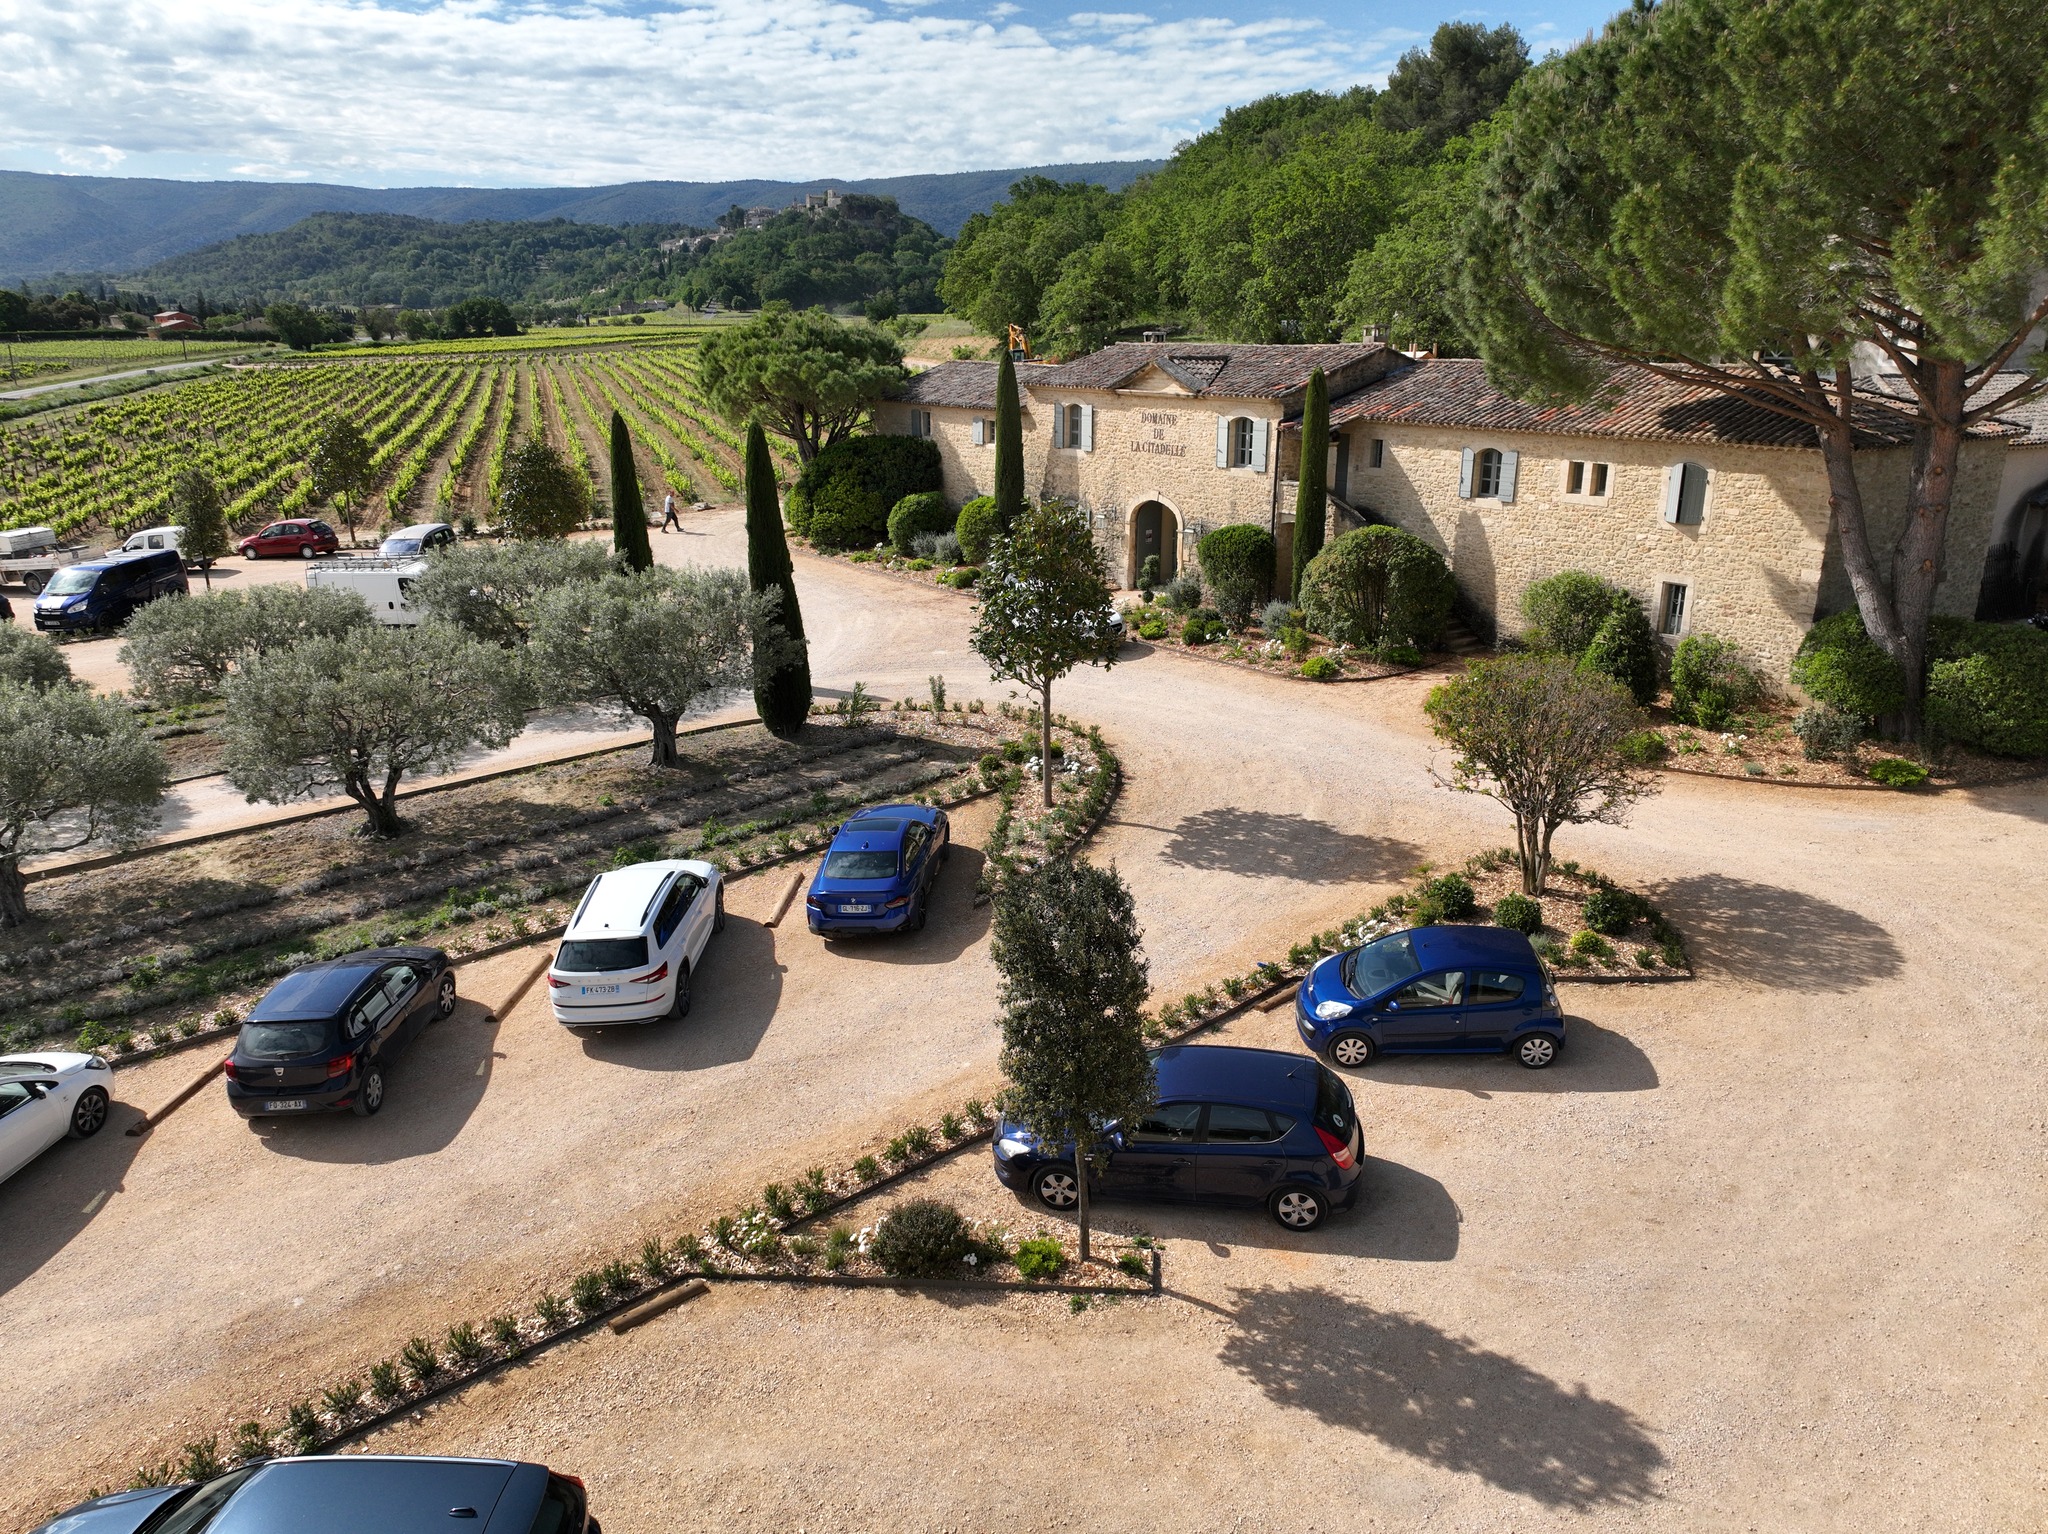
{"x": 420, "y": 538}
{"x": 1233, "y": 1126}
{"x": 325, "y": 1037}
{"x": 877, "y": 874}
{"x": 637, "y": 937}
{"x": 348, "y": 1494}
{"x": 293, "y": 538}
{"x": 105, "y": 593}
{"x": 47, "y": 1096}
{"x": 1432, "y": 990}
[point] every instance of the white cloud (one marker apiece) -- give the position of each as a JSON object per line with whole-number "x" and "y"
{"x": 400, "y": 92}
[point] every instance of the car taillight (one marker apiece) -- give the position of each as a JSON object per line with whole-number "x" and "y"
{"x": 340, "y": 1067}
{"x": 814, "y": 900}
{"x": 1340, "y": 1151}
{"x": 558, "y": 984}
{"x": 652, "y": 977}
{"x": 227, "y": 1069}
{"x": 897, "y": 905}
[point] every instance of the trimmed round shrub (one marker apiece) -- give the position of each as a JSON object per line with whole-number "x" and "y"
{"x": 1839, "y": 663}
{"x": 1710, "y": 684}
{"x": 1320, "y": 668}
{"x": 924, "y": 1238}
{"x": 1237, "y": 567}
{"x": 1897, "y": 772}
{"x": 924, "y": 512}
{"x": 1567, "y": 609}
{"x": 846, "y": 515}
{"x": 1590, "y": 945}
{"x": 1205, "y": 627}
{"x": 1518, "y": 913}
{"x": 1612, "y": 912}
{"x": 1453, "y": 896}
{"x": 1378, "y": 586}
{"x": 1624, "y": 648}
{"x": 1645, "y": 748}
{"x": 889, "y": 467}
{"x": 1988, "y": 686}
{"x": 977, "y": 527}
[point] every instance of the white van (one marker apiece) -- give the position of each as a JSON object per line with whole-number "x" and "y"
{"x": 154, "y": 538}
{"x": 633, "y": 943}
{"x": 386, "y": 584}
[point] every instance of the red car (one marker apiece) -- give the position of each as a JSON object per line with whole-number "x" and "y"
{"x": 299, "y": 537}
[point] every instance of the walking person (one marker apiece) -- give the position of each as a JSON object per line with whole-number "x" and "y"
{"x": 668, "y": 513}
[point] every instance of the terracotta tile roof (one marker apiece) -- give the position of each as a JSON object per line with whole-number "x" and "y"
{"x": 966, "y": 385}
{"x": 1453, "y": 391}
{"x": 1231, "y": 370}
{"x": 2029, "y": 418}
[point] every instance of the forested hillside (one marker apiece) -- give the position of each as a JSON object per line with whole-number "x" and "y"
{"x": 865, "y": 251}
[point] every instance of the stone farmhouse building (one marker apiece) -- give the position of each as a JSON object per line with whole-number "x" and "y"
{"x": 1712, "y": 511}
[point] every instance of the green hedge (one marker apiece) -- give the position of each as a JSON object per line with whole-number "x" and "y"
{"x": 1839, "y": 663}
{"x": 1988, "y": 686}
{"x": 882, "y": 469}
{"x": 977, "y": 528}
{"x": 1566, "y": 610}
{"x": 924, "y": 512}
{"x": 1710, "y": 684}
{"x": 1378, "y": 586}
{"x": 1237, "y": 567}
{"x": 1625, "y": 649}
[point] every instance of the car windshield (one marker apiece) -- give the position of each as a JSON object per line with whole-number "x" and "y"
{"x": 601, "y": 955}
{"x": 1383, "y": 962}
{"x": 861, "y": 865}
{"x": 284, "y": 1041}
{"x": 395, "y": 546}
{"x": 197, "y": 1509}
{"x": 68, "y": 583}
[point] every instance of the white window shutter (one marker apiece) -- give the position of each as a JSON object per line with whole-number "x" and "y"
{"x": 1087, "y": 428}
{"x": 1223, "y": 442}
{"x": 1259, "y": 446}
{"x": 1509, "y": 462}
{"x": 1465, "y": 476}
{"x": 1674, "y": 484}
{"x": 979, "y": 438}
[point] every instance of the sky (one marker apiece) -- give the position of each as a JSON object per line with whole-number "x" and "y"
{"x": 588, "y": 92}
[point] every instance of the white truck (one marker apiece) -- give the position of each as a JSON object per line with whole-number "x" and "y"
{"x": 31, "y": 555}
{"x": 385, "y": 584}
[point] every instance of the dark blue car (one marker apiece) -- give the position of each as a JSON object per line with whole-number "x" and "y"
{"x": 1429, "y": 991}
{"x": 1233, "y": 1126}
{"x": 877, "y": 876}
{"x": 348, "y": 1494}
{"x": 106, "y": 593}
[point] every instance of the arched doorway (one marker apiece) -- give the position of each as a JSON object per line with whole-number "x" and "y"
{"x": 1155, "y": 531}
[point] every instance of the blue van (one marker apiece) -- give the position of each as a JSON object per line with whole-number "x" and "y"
{"x": 106, "y": 593}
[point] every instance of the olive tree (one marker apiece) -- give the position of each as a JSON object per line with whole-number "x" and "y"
{"x": 75, "y": 768}
{"x": 1045, "y": 609}
{"x": 181, "y": 652}
{"x": 1544, "y": 738}
{"x": 655, "y": 643}
{"x": 361, "y": 710}
{"x": 489, "y": 590}
{"x": 29, "y": 658}
{"x": 1067, "y": 946}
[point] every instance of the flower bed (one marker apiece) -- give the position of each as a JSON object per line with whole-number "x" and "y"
{"x": 1759, "y": 744}
{"x": 1308, "y": 656}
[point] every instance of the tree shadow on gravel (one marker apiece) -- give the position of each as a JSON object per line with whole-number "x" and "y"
{"x": 1776, "y": 937}
{"x": 1594, "y": 1059}
{"x": 1260, "y": 843}
{"x": 1441, "y": 1399}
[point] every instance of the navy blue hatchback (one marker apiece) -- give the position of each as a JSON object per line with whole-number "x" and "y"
{"x": 1233, "y": 1126}
{"x": 877, "y": 876}
{"x": 1432, "y": 990}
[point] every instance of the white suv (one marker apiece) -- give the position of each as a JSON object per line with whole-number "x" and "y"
{"x": 633, "y": 942}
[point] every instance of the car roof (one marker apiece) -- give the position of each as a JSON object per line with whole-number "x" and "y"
{"x": 619, "y": 900}
{"x": 118, "y": 558}
{"x": 417, "y": 530}
{"x": 315, "y": 992}
{"x": 1436, "y": 947}
{"x": 346, "y": 1493}
{"x": 1227, "y": 1072}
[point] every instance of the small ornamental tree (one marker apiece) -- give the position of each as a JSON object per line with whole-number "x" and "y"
{"x": 782, "y": 693}
{"x": 29, "y": 658}
{"x": 541, "y": 496}
{"x": 75, "y": 768}
{"x": 801, "y": 373}
{"x": 1237, "y": 567}
{"x": 629, "y": 515}
{"x": 1312, "y": 490}
{"x": 1009, "y": 445}
{"x": 1545, "y": 739}
{"x": 490, "y": 590}
{"x": 654, "y": 643}
{"x": 1045, "y": 609}
{"x": 181, "y": 652}
{"x": 341, "y": 468}
{"x": 362, "y": 711}
{"x": 1074, "y": 978}
{"x": 197, "y": 508}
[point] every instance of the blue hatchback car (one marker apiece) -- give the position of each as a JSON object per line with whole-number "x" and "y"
{"x": 1432, "y": 990}
{"x": 1233, "y": 1126}
{"x": 877, "y": 876}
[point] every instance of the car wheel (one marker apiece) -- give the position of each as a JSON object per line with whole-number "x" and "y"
{"x": 1536, "y": 1050}
{"x": 89, "y": 1114}
{"x": 445, "y": 1003}
{"x": 370, "y": 1095}
{"x": 1057, "y": 1188}
{"x": 718, "y": 912}
{"x": 1298, "y": 1208}
{"x": 917, "y": 915}
{"x": 681, "y": 1008}
{"x": 34, "y": 581}
{"x": 1353, "y": 1051}
{"x": 306, "y": 551}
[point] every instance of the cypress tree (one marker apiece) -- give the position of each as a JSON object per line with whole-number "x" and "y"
{"x": 782, "y": 697}
{"x": 629, "y": 516}
{"x": 1009, "y": 446}
{"x": 1312, "y": 491}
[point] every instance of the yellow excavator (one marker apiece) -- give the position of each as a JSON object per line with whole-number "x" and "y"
{"x": 1020, "y": 348}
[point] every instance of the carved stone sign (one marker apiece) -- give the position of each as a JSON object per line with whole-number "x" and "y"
{"x": 1156, "y": 422}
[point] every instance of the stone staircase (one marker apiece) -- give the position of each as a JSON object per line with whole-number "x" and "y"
{"x": 1460, "y": 643}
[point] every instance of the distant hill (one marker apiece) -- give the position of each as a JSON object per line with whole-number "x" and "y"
{"x": 89, "y": 225}
{"x": 865, "y": 248}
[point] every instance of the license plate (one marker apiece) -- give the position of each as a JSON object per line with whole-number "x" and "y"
{"x": 281, "y": 1104}
{"x": 597, "y": 990}
{"x": 855, "y": 910}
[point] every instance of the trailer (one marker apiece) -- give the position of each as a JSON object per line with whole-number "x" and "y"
{"x": 385, "y": 584}
{"x": 29, "y": 556}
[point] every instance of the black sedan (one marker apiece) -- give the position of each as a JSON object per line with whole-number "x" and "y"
{"x": 348, "y": 1494}
{"x": 324, "y": 1036}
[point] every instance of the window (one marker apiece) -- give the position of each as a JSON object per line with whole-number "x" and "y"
{"x": 1494, "y": 988}
{"x": 984, "y": 431}
{"x": 860, "y": 864}
{"x": 1378, "y": 456}
{"x": 601, "y": 955}
{"x": 1070, "y": 436}
{"x": 1383, "y": 962}
{"x": 1671, "y": 604}
{"x": 913, "y": 843}
{"x": 1585, "y": 480}
{"x": 1167, "y": 1124}
{"x": 680, "y": 894}
{"x": 1230, "y": 1124}
{"x": 1073, "y": 426}
{"x": 1439, "y": 990}
{"x": 1241, "y": 443}
{"x": 1685, "y": 494}
{"x": 1488, "y": 474}
{"x": 920, "y": 423}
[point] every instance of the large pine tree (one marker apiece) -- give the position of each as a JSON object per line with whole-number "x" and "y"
{"x": 629, "y": 514}
{"x": 782, "y": 696}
